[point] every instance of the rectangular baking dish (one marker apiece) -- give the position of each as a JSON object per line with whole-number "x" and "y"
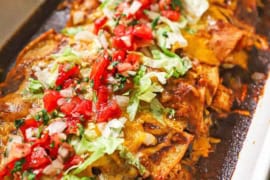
{"x": 226, "y": 162}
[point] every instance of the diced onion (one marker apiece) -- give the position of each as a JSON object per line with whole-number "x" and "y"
{"x": 54, "y": 168}
{"x": 68, "y": 92}
{"x": 63, "y": 152}
{"x": 122, "y": 100}
{"x": 56, "y": 127}
{"x": 78, "y": 17}
{"x": 135, "y": 6}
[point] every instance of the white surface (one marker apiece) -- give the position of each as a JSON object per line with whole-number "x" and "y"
{"x": 254, "y": 158}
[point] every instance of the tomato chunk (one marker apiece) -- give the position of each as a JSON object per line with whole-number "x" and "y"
{"x": 66, "y": 74}
{"x": 29, "y": 123}
{"x": 50, "y": 100}
{"x": 171, "y": 14}
{"x": 109, "y": 111}
{"x": 98, "y": 70}
{"x": 143, "y": 32}
{"x": 99, "y": 23}
{"x": 38, "y": 158}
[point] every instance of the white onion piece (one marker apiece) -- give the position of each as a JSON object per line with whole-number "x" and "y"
{"x": 54, "y": 168}
{"x": 61, "y": 101}
{"x": 31, "y": 132}
{"x": 78, "y": 17}
{"x": 63, "y": 152}
{"x": 126, "y": 40}
{"x": 135, "y": 6}
{"x": 56, "y": 127}
{"x": 68, "y": 92}
{"x": 122, "y": 100}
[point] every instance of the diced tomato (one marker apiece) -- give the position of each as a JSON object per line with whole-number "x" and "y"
{"x": 29, "y": 123}
{"x": 38, "y": 158}
{"x": 109, "y": 111}
{"x": 145, "y": 3}
{"x": 102, "y": 96}
{"x": 123, "y": 67}
{"x": 119, "y": 55}
{"x": 44, "y": 141}
{"x": 98, "y": 70}
{"x": 133, "y": 58}
{"x": 72, "y": 126}
{"x": 84, "y": 108}
{"x": 72, "y": 161}
{"x": 164, "y": 4}
{"x": 99, "y": 23}
{"x": 143, "y": 31}
{"x": 3, "y": 172}
{"x": 119, "y": 30}
{"x": 66, "y": 74}
{"x": 50, "y": 100}
{"x": 68, "y": 83}
{"x": 171, "y": 14}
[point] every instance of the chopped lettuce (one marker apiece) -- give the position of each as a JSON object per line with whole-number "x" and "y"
{"x": 166, "y": 38}
{"x": 47, "y": 76}
{"x": 133, "y": 107}
{"x": 146, "y": 89}
{"x": 173, "y": 64}
{"x": 72, "y": 177}
{"x": 67, "y": 55}
{"x": 194, "y": 9}
{"x": 35, "y": 86}
{"x": 108, "y": 143}
{"x": 71, "y": 31}
{"x": 157, "y": 110}
{"x": 131, "y": 159}
{"x": 99, "y": 147}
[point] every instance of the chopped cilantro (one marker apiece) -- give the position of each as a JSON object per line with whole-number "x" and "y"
{"x": 58, "y": 88}
{"x": 18, "y": 123}
{"x": 18, "y": 166}
{"x": 52, "y": 144}
{"x": 133, "y": 22}
{"x": 176, "y": 4}
{"x": 81, "y": 129}
{"x": 155, "y": 22}
{"x": 29, "y": 175}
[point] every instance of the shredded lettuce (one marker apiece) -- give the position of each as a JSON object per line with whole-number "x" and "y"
{"x": 131, "y": 159}
{"x": 35, "y": 86}
{"x": 108, "y": 143}
{"x": 67, "y": 55}
{"x": 47, "y": 76}
{"x": 146, "y": 89}
{"x": 173, "y": 64}
{"x": 71, "y": 31}
{"x": 99, "y": 147}
{"x": 157, "y": 110}
{"x": 72, "y": 177}
{"x": 166, "y": 38}
{"x": 133, "y": 107}
{"x": 194, "y": 9}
